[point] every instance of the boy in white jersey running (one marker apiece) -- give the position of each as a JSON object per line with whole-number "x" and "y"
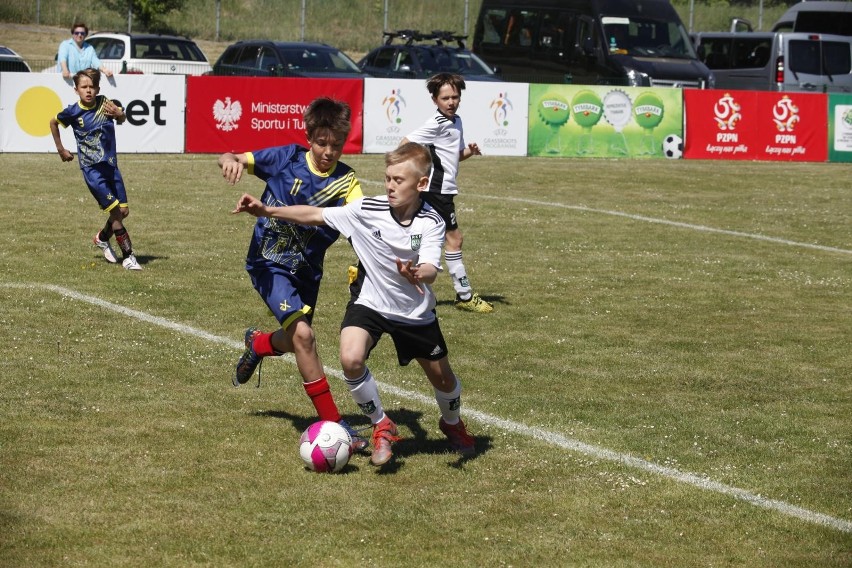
{"x": 398, "y": 240}
{"x": 443, "y": 134}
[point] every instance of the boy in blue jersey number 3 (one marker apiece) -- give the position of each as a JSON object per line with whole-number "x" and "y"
{"x": 398, "y": 239}
{"x": 93, "y": 121}
{"x": 285, "y": 260}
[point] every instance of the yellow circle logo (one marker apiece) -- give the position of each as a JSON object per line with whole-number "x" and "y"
{"x": 35, "y": 108}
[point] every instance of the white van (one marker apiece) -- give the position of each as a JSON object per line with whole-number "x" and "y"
{"x": 766, "y": 61}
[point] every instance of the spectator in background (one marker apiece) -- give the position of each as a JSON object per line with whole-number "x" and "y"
{"x": 76, "y": 54}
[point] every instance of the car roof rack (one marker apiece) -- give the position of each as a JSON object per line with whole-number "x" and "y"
{"x": 410, "y": 36}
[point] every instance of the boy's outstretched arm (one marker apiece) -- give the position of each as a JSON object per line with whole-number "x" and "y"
{"x": 301, "y": 214}
{"x": 232, "y": 166}
{"x": 471, "y": 150}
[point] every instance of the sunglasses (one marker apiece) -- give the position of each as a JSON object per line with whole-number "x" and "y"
{"x": 84, "y": 34}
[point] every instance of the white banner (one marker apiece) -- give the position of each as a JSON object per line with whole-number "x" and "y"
{"x": 155, "y": 107}
{"x": 494, "y": 114}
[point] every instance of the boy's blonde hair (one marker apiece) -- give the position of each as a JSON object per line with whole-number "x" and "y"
{"x": 417, "y": 154}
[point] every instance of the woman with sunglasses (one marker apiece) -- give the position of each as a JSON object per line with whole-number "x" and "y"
{"x": 76, "y": 54}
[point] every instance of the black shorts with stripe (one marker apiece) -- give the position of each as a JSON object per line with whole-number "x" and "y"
{"x": 411, "y": 341}
{"x": 444, "y": 205}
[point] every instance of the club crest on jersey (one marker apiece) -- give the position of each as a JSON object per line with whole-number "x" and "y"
{"x": 415, "y": 241}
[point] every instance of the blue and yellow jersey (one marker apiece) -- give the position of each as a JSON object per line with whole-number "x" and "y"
{"x": 93, "y": 130}
{"x": 291, "y": 180}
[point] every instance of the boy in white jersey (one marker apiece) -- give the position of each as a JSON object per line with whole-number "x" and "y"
{"x": 443, "y": 134}
{"x": 398, "y": 240}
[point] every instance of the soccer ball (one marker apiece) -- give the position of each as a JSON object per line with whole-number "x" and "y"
{"x": 325, "y": 446}
{"x": 673, "y": 146}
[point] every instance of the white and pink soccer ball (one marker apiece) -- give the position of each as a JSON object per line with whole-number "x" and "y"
{"x": 325, "y": 446}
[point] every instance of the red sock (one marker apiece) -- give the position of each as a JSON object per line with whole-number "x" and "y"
{"x": 320, "y": 394}
{"x": 263, "y": 345}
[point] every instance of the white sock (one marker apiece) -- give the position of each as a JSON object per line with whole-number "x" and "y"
{"x": 450, "y": 403}
{"x": 365, "y": 393}
{"x": 455, "y": 267}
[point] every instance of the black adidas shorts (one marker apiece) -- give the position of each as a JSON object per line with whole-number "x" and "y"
{"x": 411, "y": 341}
{"x": 444, "y": 206}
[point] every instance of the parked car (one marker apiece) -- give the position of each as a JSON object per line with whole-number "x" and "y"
{"x": 11, "y": 61}
{"x": 767, "y": 61}
{"x": 149, "y": 53}
{"x": 420, "y": 55}
{"x": 262, "y": 58}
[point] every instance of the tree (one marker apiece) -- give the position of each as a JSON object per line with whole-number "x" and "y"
{"x": 147, "y": 13}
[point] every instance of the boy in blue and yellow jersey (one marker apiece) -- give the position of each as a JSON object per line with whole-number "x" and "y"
{"x": 285, "y": 260}
{"x": 92, "y": 120}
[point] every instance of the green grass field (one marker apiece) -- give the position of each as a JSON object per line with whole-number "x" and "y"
{"x": 665, "y": 380}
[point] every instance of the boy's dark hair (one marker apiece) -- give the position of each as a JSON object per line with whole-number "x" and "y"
{"x": 330, "y": 115}
{"x": 92, "y": 74}
{"x": 421, "y": 159}
{"x": 80, "y": 25}
{"x": 435, "y": 82}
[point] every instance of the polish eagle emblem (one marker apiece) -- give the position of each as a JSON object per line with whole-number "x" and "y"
{"x": 227, "y": 114}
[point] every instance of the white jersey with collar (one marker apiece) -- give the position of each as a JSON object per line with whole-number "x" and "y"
{"x": 379, "y": 239}
{"x": 444, "y": 137}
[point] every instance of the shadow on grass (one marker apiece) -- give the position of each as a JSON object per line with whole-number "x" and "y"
{"x": 142, "y": 259}
{"x": 493, "y": 299}
{"x": 418, "y": 442}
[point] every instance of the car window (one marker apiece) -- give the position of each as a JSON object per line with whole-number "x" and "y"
{"x": 268, "y": 59}
{"x": 340, "y": 62}
{"x": 838, "y": 57}
{"x": 186, "y": 51}
{"x": 383, "y": 58}
{"x": 820, "y": 57}
{"x": 717, "y": 53}
{"x": 751, "y": 53}
{"x": 107, "y": 47}
{"x": 231, "y": 56}
{"x": 403, "y": 60}
{"x": 247, "y": 57}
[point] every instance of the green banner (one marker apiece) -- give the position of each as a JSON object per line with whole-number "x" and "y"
{"x": 605, "y": 121}
{"x": 840, "y": 128}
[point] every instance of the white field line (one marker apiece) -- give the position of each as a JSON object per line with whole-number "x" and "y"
{"x": 539, "y": 434}
{"x": 690, "y": 226}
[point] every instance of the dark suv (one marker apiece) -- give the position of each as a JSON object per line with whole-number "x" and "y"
{"x": 419, "y": 56}
{"x": 261, "y": 58}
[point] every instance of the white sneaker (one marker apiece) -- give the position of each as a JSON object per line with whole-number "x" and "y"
{"x": 109, "y": 255}
{"x": 130, "y": 263}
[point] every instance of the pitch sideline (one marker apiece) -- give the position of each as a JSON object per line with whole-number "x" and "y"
{"x": 634, "y": 217}
{"x": 539, "y": 434}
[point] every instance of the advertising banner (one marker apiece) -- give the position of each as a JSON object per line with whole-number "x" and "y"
{"x": 238, "y": 114}
{"x": 494, "y": 114}
{"x": 721, "y": 125}
{"x": 840, "y": 128}
{"x": 756, "y": 125}
{"x": 605, "y": 121}
{"x": 154, "y": 106}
